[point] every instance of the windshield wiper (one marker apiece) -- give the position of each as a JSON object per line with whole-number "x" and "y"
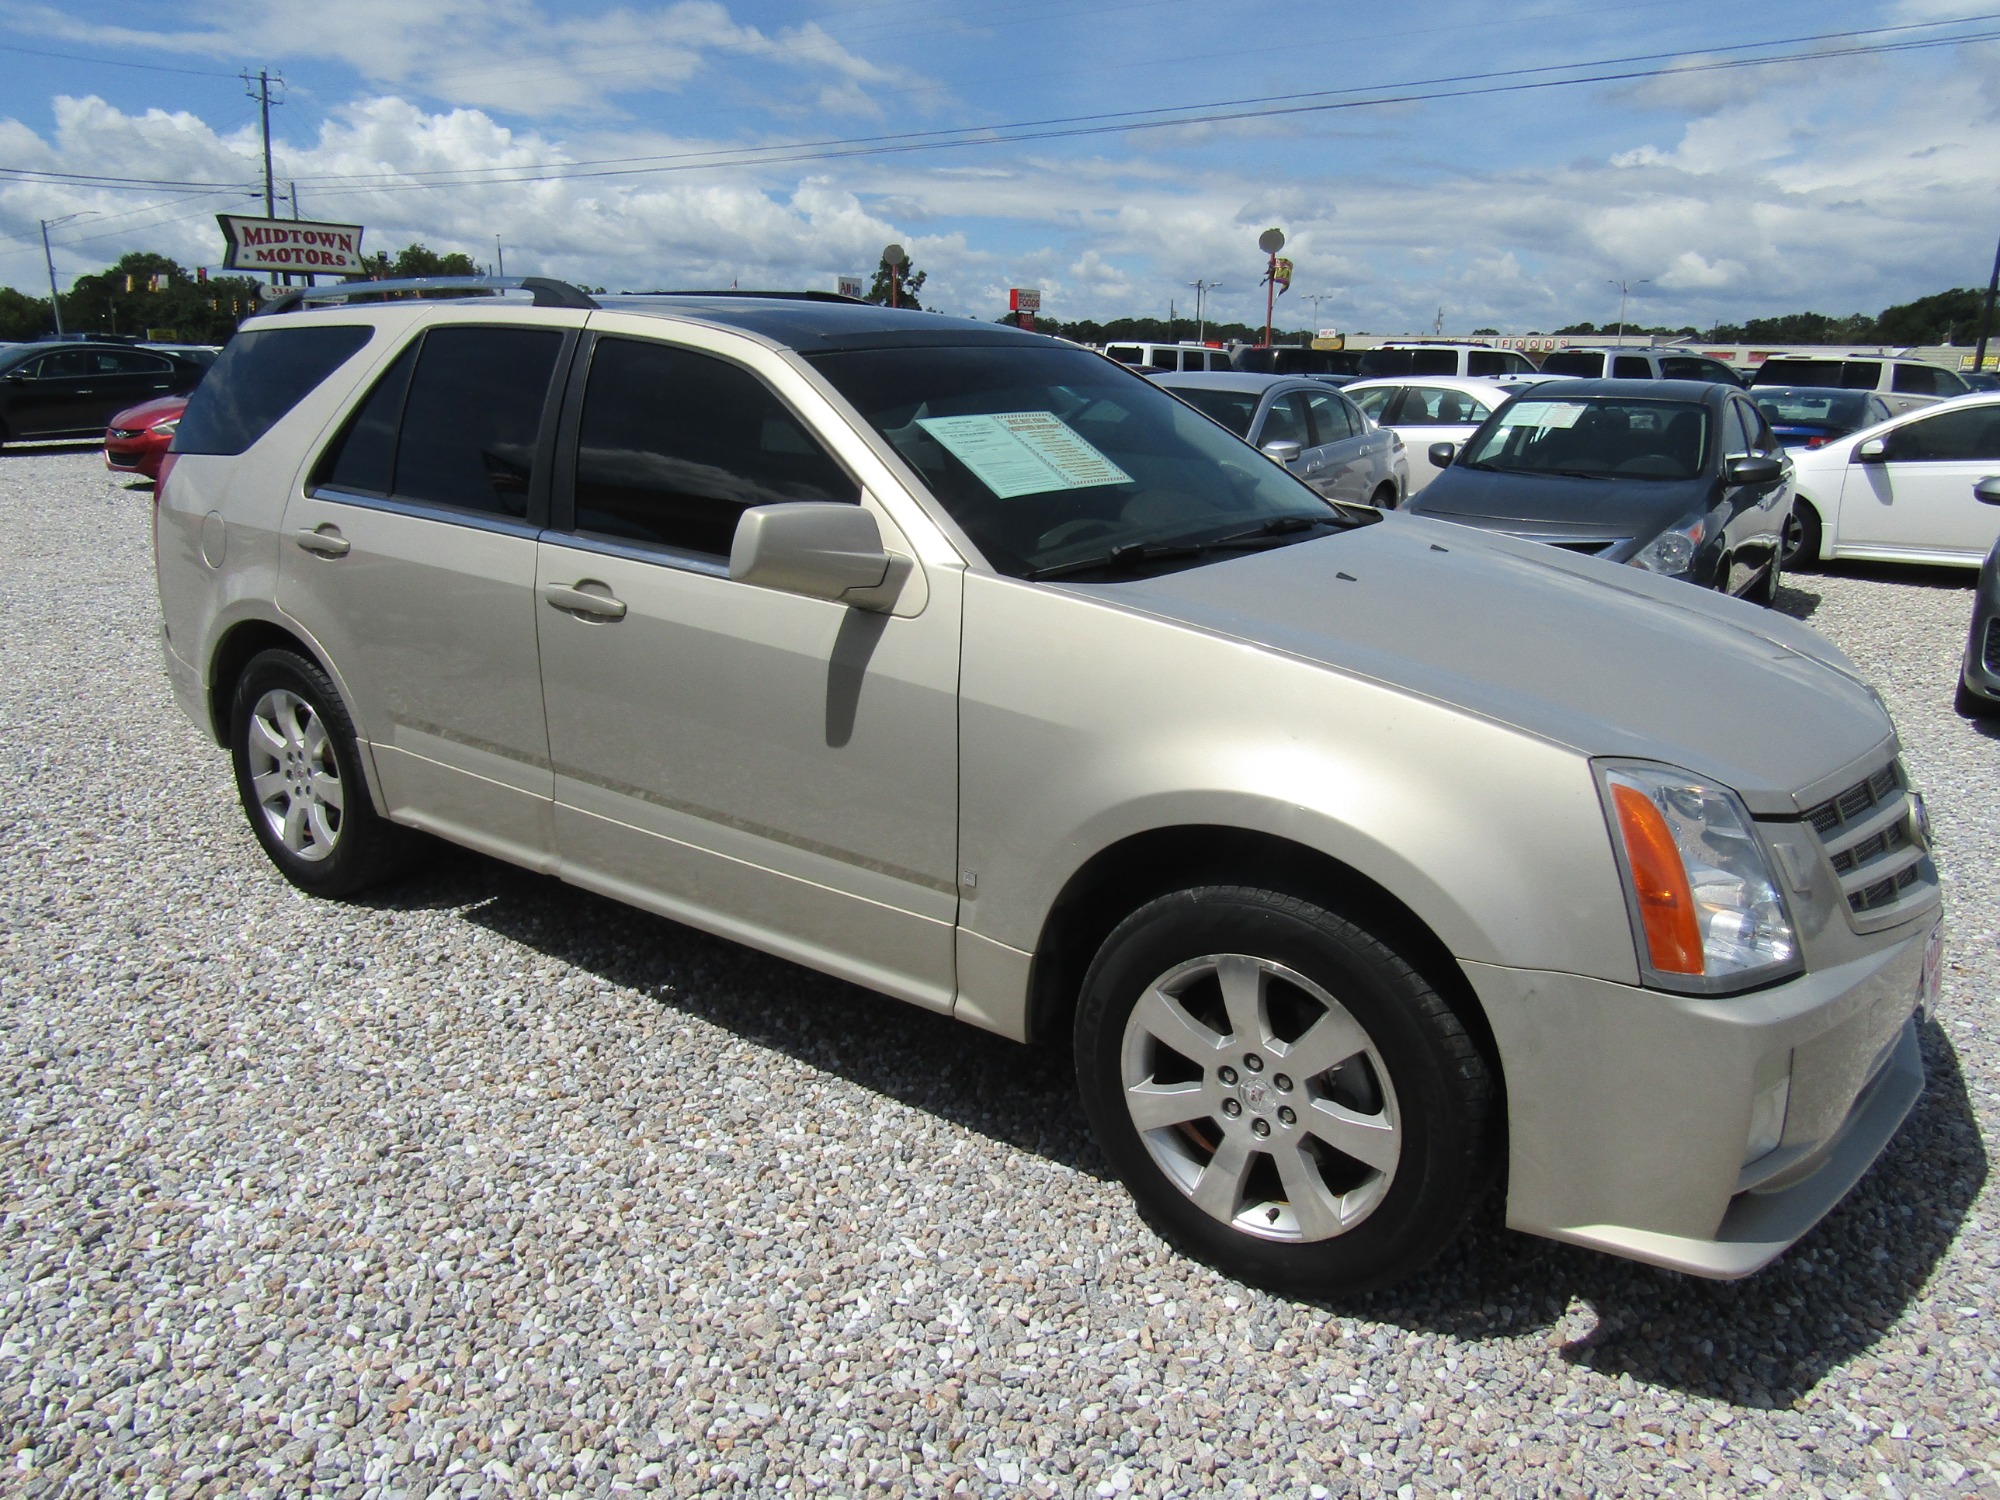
{"x": 1135, "y": 554}
{"x": 1131, "y": 555}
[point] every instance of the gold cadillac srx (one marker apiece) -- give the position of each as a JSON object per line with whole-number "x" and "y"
{"x": 1366, "y": 862}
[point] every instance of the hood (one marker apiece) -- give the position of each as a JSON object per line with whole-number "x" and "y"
{"x": 1558, "y": 507}
{"x": 1603, "y": 658}
{"x": 146, "y": 413}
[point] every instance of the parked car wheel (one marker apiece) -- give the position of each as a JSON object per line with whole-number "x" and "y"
{"x": 298, "y": 773}
{"x": 1971, "y": 705}
{"x": 1283, "y": 1093}
{"x": 1801, "y": 547}
{"x": 1384, "y": 497}
{"x": 1765, "y": 590}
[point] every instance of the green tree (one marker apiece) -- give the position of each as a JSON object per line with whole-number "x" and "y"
{"x": 419, "y": 260}
{"x": 150, "y": 295}
{"x": 1942, "y": 318}
{"x": 23, "y": 319}
{"x": 907, "y": 285}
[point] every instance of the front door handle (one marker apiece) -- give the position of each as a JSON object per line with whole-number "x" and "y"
{"x": 576, "y": 600}
{"x": 326, "y": 542}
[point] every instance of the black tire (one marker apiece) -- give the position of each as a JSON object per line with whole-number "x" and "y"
{"x": 1385, "y": 497}
{"x": 1971, "y": 705}
{"x": 1765, "y": 590}
{"x": 346, "y": 847}
{"x": 1418, "y": 1076}
{"x": 1802, "y": 536}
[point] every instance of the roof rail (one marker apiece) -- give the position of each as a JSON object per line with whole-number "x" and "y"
{"x": 731, "y": 291}
{"x": 547, "y": 292}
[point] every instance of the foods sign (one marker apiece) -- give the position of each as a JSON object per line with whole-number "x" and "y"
{"x": 291, "y": 245}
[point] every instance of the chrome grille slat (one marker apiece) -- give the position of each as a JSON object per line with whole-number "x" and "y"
{"x": 1873, "y": 844}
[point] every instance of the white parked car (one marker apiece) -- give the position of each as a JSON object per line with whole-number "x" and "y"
{"x": 1476, "y": 361}
{"x": 1182, "y": 356}
{"x": 1441, "y": 409}
{"x": 1901, "y": 491}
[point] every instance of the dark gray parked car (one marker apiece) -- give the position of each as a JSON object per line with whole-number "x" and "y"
{"x": 1979, "y": 679}
{"x": 1309, "y": 427}
{"x": 1678, "y": 477}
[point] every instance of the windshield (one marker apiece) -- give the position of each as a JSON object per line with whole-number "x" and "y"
{"x": 1233, "y": 409}
{"x": 1827, "y": 408}
{"x": 1593, "y": 438}
{"x": 1048, "y": 458}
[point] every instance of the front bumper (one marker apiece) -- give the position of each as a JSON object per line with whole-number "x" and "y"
{"x": 1629, "y": 1110}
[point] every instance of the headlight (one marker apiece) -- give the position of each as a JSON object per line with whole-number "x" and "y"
{"x": 1707, "y": 914}
{"x": 167, "y": 428}
{"x": 1672, "y": 551}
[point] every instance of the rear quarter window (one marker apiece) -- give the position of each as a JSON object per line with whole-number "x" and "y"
{"x": 260, "y": 376}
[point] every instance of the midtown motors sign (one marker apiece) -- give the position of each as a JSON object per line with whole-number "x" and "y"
{"x": 291, "y": 245}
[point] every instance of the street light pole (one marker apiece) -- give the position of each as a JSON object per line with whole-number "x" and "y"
{"x": 48, "y": 258}
{"x": 1624, "y": 289}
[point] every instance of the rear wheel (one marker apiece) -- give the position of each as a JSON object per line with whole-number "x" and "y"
{"x": 298, "y": 774}
{"x": 1384, "y": 497}
{"x": 1765, "y": 590}
{"x": 1285, "y": 1096}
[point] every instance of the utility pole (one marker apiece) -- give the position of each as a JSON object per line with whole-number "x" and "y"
{"x": 499, "y": 256}
{"x": 261, "y": 92}
{"x": 1986, "y": 314}
{"x": 1201, "y": 290}
{"x": 1315, "y": 298}
{"x": 1624, "y": 289}
{"x": 55, "y": 297}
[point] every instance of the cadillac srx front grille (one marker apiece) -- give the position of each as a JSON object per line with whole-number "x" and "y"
{"x": 1991, "y": 650}
{"x": 1875, "y": 844}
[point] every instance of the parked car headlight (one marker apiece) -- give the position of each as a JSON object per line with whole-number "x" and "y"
{"x": 1707, "y": 913}
{"x": 167, "y": 428}
{"x": 1672, "y": 551}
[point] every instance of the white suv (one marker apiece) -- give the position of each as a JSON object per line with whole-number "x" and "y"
{"x": 1366, "y": 861}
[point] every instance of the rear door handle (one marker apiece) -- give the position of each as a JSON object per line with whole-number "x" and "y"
{"x": 576, "y": 600}
{"x": 327, "y": 542}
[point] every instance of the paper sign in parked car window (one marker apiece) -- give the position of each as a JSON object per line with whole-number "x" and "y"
{"x": 1544, "y": 414}
{"x": 1023, "y": 452}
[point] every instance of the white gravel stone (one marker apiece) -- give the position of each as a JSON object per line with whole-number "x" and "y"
{"x": 486, "y": 1186}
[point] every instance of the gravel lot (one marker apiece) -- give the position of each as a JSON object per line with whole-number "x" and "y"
{"x": 489, "y": 1186}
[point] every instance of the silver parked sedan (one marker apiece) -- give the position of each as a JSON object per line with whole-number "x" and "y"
{"x": 1366, "y": 862}
{"x": 1311, "y": 429}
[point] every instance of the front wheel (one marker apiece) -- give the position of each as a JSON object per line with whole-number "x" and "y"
{"x": 1285, "y": 1096}
{"x": 298, "y": 774}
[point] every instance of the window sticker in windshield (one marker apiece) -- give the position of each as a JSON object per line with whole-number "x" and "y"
{"x": 1023, "y": 452}
{"x": 1545, "y": 414}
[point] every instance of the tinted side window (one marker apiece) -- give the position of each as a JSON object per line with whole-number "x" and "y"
{"x": 1631, "y": 367}
{"x": 473, "y": 418}
{"x": 1925, "y": 380}
{"x": 64, "y": 364}
{"x": 1687, "y": 367}
{"x": 1762, "y": 438}
{"x": 1967, "y": 436}
{"x": 1573, "y": 362}
{"x": 1329, "y": 419}
{"x": 675, "y": 445}
{"x": 1861, "y": 375}
{"x": 1735, "y": 431}
{"x": 363, "y": 458}
{"x": 1497, "y": 362}
{"x": 1434, "y": 362}
{"x": 132, "y": 362}
{"x": 262, "y": 375}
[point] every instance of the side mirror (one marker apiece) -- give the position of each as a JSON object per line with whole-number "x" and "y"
{"x": 1874, "y": 451}
{"x": 819, "y": 548}
{"x": 1753, "y": 469}
{"x": 1987, "y": 491}
{"x": 1441, "y": 454}
{"x": 1283, "y": 450}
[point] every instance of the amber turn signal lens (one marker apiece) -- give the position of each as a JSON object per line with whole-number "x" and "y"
{"x": 1666, "y": 904}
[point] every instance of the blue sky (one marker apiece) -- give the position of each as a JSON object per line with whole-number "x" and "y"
{"x": 637, "y": 145}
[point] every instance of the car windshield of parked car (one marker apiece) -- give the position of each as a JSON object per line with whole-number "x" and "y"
{"x": 1822, "y": 408}
{"x": 1054, "y": 460}
{"x": 1233, "y": 409}
{"x": 1594, "y": 438}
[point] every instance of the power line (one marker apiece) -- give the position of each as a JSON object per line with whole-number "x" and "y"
{"x": 1122, "y": 121}
{"x": 105, "y": 62}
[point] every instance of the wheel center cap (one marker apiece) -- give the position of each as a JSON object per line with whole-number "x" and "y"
{"x": 1255, "y": 1094}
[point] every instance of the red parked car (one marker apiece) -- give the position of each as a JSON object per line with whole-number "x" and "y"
{"x": 137, "y": 438}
